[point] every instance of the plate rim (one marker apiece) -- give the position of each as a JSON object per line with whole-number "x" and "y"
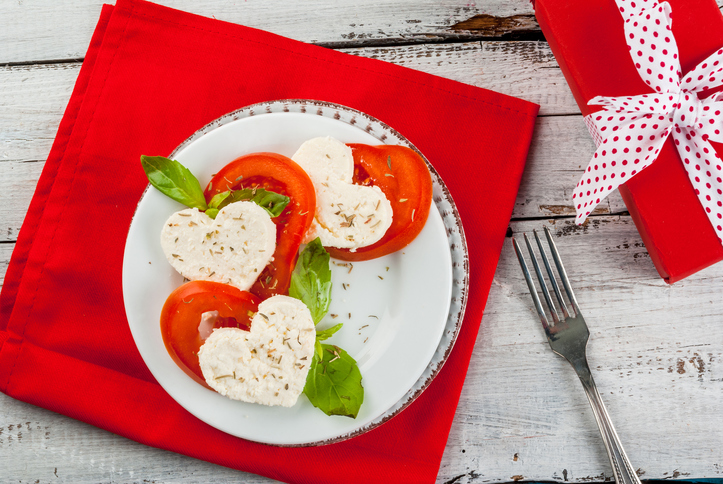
{"x": 444, "y": 203}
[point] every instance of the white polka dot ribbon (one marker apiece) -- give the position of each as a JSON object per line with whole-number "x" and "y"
{"x": 630, "y": 131}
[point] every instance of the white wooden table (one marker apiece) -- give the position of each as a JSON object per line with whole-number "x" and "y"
{"x": 656, "y": 350}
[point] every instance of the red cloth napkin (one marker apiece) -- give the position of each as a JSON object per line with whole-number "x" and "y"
{"x": 153, "y": 76}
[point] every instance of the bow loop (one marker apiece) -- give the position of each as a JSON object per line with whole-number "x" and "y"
{"x": 629, "y": 147}
{"x": 706, "y": 75}
{"x": 629, "y": 8}
{"x": 635, "y": 105}
{"x": 705, "y": 172}
{"x": 630, "y": 131}
{"x": 652, "y": 45}
{"x": 711, "y": 122}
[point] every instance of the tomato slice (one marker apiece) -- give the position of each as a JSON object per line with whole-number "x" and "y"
{"x": 182, "y": 313}
{"x": 402, "y": 174}
{"x": 280, "y": 174}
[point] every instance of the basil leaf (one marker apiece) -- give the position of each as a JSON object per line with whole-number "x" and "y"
{"x": 328, "y": 333}
{"x": 311, "y": 280}
{"x": 334, "y": 383}
{"x": 174, "y": 180}
{"x": 218, "y": 199}
{"x": 316, "y": 259}
{"x": 212, "y": 212}
{"x": 318, "y": 351}
{"x": 272, "y": 202}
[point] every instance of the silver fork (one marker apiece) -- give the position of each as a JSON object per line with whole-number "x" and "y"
{"x": 568, "y": 337}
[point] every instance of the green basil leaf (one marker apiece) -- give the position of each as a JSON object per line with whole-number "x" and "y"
{"x": 218, "y": 199}
{"x": 334, "y": 383}
{"x": 212, "y": 212}
{"x": 174, "y": 180}
{"x": 272, "y": 202}
{"x": 328, "y": 333}
{"x": 316, "y": 259}
{"x": 311, "y": 280}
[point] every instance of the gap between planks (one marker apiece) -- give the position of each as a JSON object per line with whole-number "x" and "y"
{"x": 57, "y": 30}
{"x": 654, "y": 350}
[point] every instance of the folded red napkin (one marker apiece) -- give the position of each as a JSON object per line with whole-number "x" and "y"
{"x": 153, "y": 76}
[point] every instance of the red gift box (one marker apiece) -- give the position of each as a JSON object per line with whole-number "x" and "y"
{"x": 588, "y": 41}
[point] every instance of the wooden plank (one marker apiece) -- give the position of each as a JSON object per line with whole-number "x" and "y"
{"x": 560, "y": 151}
{"x": 54, "y": 30}
{"x": 39, "y": 93}
{"x": 32, "y": 102}
{"x": 34, "y": 97}
{"x": 45, "y": 30}
{"x": 655, "y": 352}
{"x": 561, "y": 148}
{"x": 525, "y": 69}
{"x": 17, "y": 185}
{"x": 42, "y": 446}
{"x": 5, "y": 251}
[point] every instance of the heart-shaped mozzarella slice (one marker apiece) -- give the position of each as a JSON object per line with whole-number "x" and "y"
{"x": 232, "y": 249}
{"x": 269, "y": 363}
{"x": 347, "y": 215}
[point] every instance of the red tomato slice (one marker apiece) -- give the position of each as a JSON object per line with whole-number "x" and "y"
{"x": 280, "y": 174}
{"x": 402, "y": 174}
{"x": 182, "y": 313}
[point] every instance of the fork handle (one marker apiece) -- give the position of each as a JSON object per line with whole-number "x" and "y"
{"x": 622, "y": 470}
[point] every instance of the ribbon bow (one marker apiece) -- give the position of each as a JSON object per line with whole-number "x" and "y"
{"x": 630, "y": 131}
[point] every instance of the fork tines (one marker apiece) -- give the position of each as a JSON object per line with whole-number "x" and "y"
{"x": 553, "y": 282}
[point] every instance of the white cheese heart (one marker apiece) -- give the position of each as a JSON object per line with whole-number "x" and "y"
{"x": 232, "y": 249}
{"x": 269, "y": 363}
{"x": 347, "y": 215}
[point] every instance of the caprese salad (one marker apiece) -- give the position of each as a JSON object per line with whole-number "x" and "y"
{"x": 244, "y": 324}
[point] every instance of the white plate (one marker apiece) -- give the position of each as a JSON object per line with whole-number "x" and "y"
{"x": 401, "y": 313}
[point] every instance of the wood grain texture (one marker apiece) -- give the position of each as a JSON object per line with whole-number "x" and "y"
{"x": 655, "y": 352}
{"x": 5, "y": 251}
{"x": 34, "y": 97}
{"x": 32, "y": 101}
{"x": 560, "y": 151}
{"x": 524, "y": 69}
{"x": 39, "y": 446}
{"x": 561, "y": 147}
{"x": 62, "y": 29}
{"x": 17, "y": 185}
{"x": 45, "y": 30}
